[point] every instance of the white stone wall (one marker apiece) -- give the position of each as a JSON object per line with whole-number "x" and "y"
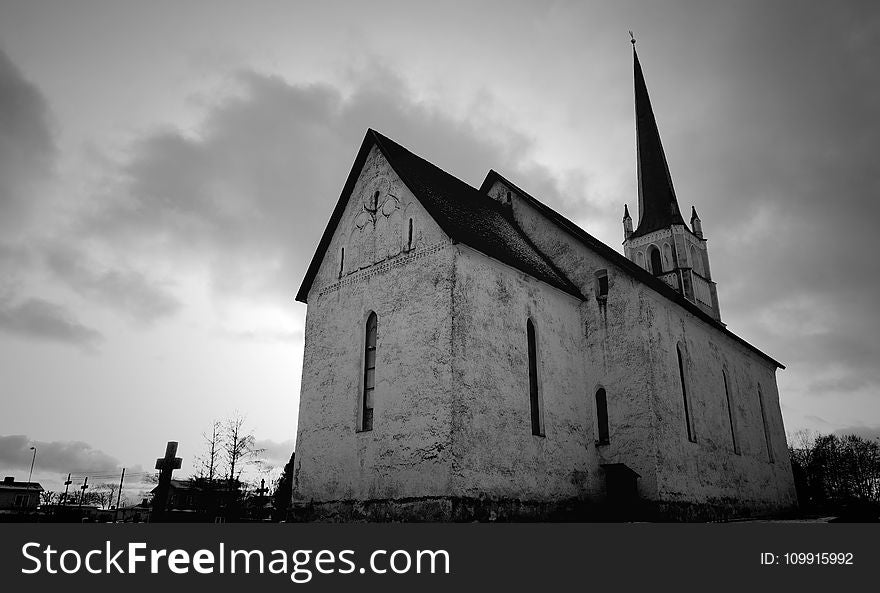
{"x": 495, "y": 453}
{"x": 407, "y": 452}
{"x": 631, "y": 350}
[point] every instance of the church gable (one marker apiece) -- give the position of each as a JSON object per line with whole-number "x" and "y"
{"x": 378, "y": 221}
{"x": 463, "y": 213}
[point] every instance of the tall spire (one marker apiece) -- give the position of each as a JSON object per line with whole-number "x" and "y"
{"x": 658, "y": 207}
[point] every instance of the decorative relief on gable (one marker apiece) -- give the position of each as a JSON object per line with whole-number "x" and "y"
{"x": 383, "y": 267}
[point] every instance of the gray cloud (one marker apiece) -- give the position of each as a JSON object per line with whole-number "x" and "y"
{"x": 250, "y": 192}
{"x": 871, "y": 433}
{"x": 58, "y": 456}
{"x": 123, "y": 289}
{"x": 40, "y": 319}
{"x": 27, "y": 148}
{"x": 275, "y": 453}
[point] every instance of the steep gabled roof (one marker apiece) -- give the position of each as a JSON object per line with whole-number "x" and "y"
{"x": 618, "y": 259}
{"x": 462, "y": 212}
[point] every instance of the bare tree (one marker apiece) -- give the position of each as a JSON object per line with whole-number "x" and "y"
{"x": 48, "y": 497}
{"x": 209, "y": 464}
{"x": 239, "y": 446}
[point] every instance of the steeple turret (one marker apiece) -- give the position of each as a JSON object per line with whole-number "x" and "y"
{"x": 627, "y": 223}
{"x": 696, "y": 223}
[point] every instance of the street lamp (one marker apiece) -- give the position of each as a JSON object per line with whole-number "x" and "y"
{"x": 30, "y": 475}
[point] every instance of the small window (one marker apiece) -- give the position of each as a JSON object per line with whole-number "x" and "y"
{"x": 534, "y": 396}
{"x": 770, "y": 457}
{"x": 601, "y": 285}
{"x": 409, "y": 236}
{"x": 684, "y": 395}
{"x": 602, "y": 416}
{"x": 369, "y": 373}
{"x": 375, "y": 201}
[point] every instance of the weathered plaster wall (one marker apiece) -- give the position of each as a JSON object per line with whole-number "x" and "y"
{"x": 631, "y": 351}
{"x": 407, "y": 452}
{"x": 709, "y": 469}
{"x": 495, "y": 453}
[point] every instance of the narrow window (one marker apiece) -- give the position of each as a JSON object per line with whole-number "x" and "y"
{"x": 537, "y": 428}
{"x": 601, "y": 285}
{"x": 341, "y": 262}
{"x": 369, "y": 373}
{"x": 766, "y": 426}
{"x": 730, "y": 413}
{"x": 687, "y": 412}
{"x": 602, "y": 416}
{"x": 409, "y": 235}
{"x": 375, "y": 201}
{"x": 656, "y": 262}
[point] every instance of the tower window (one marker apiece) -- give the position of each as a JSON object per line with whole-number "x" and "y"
{"x": 684, "y": 395}
{"x": 730, "y": 413}
{"x": 534, "y": 396}
{"x": 369, "y": 373}
{"x": 766, "y": 426}
{"x": 656, "y": 260}
{"x": 602, "y": 416}
{"x": 601, "y": 284}
{"x": 409, "y": 237}
{"x": 375, "y": 201}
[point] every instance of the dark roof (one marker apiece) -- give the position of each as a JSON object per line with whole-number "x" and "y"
{"x": 658, "y": 207}
{"x": 619, "y": 260}
{"x": 23, "y": 486}
{"x": 464, "y": 213}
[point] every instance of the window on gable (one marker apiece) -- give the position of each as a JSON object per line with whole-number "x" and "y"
{"x": 534, "y": 396}
{"x": 602, "y": 417}
{"x": 369, "y": 373}
{"x": 341, "y": 262}
{"x": 409, "y": 236}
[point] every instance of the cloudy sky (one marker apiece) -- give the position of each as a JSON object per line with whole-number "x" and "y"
{"x": 166, "y": 169}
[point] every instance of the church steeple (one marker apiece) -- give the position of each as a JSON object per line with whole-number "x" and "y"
{"x": 662, "y": 243}
{"x": 658, "y": 207}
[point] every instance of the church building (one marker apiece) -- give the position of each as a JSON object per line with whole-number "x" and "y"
{"x": 473, "y": 354}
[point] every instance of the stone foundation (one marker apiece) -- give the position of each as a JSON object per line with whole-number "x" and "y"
{"x": 466, "y": 509}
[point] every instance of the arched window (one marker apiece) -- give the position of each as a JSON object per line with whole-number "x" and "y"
{"x": 409, "y": 236}
{"x": 369, "y": 373}
{"x": 656, "y": 260}
{"x": 375, "y": 201}
{"x": 684, "y": 395}
{"x": 766, "y": 425}
{"x": 534, "y": 396}
{"x": 730, "y": 413}
{"x": 602, "y": 416}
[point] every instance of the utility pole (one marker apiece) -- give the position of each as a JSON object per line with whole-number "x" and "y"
{"x": 31, "y": 475}
{"x": 119, "y": 495}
